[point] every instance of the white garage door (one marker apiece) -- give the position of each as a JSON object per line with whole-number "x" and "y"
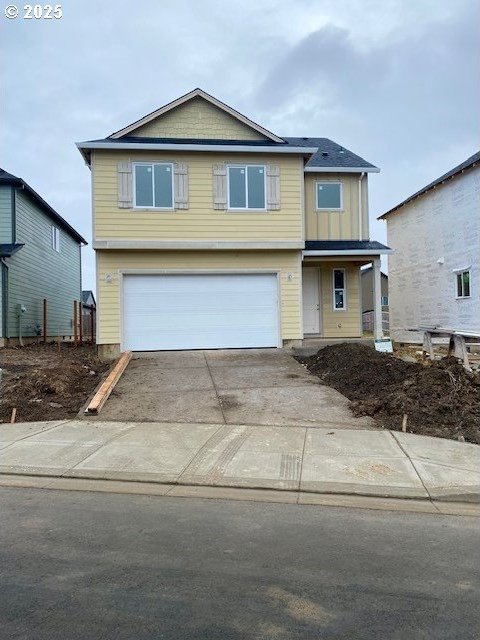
{"x": 215, "y": 311}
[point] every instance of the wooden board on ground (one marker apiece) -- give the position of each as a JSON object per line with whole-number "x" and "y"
{"x": 108, "y": 385}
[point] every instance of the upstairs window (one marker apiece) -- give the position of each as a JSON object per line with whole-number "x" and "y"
{"x": 329, "y": 196}
{"x": 55, "y": 239}
{"x": 339, "y": 290}
{"x": 246, "y": 187}
{"x": 153, "y": 185}
{"x": 463, "y": 284}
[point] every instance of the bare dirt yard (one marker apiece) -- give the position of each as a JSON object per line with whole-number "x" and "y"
{"x": 440, "y": 398}
{"x": 45, "y": 382}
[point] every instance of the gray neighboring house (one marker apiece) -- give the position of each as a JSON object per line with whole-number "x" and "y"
{"x": 367, "y": 289}
{"x": 434, "y": 272}
{"x": 40, "y": 257}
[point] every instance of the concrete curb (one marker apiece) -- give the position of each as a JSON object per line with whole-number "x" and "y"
{"x": 179, "y": 490}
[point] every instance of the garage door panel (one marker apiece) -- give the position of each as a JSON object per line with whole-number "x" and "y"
{"x": 200, "y": 311}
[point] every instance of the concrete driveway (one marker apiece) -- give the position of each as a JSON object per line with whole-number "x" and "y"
{"x": 242, "y": 387}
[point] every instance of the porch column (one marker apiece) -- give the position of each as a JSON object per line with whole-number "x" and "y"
{"x": 377, "y": 300}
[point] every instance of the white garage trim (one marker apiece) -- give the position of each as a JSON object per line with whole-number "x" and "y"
{"x": 199, "y": 272}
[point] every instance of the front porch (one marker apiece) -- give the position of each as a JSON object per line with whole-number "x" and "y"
{"x": 331, "y": 289}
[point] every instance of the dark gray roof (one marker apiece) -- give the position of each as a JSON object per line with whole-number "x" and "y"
{"x": 199, "y": 141}
{"x": 329, "y": 154}
{"x": 6, "y": 250}
{"x": 345, "y": 245}
{"x": 9, "y": 179}
{"x": 85, "y": 296}
{"x": 469, "y": 162}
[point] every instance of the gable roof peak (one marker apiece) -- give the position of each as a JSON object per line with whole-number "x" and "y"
{"x": 196, "y": 93}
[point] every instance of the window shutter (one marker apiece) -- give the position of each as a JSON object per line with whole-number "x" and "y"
{"x": 124, "y": 175}
{"x": 180, "y": 185}
{"x": 273, "y": 187}
{"x": 219, "y": 186}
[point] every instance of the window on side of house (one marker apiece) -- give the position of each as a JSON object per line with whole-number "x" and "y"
{"x": 329, "y": 196}
{"x": 463, "y": 283}
{"x": 55, "y": 238}
{"x": 246, "y": 187}
{"x": 384, "y": 301}
{"x": 339, "y": 290}
{"x": 153, "y": 185}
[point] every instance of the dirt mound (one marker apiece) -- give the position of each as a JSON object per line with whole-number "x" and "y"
{"x": 45, "y": 383}
{"x": 440, "y": 398}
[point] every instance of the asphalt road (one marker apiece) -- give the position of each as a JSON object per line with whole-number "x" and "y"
{"x": 88, "y": 566}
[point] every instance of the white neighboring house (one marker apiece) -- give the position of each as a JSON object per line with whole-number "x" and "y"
{"x": 434, "y": 272}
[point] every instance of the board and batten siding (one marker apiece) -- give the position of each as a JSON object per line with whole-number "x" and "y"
{"x": 345, "y": 323}
{"x": 200, "y": 221}
{"x": 112, "y": 263}
{"x": 37, "y": 271}
{"x": 336, "y": 225}
{"x": 198, "y": 119}
{"x": 6, "y": 214}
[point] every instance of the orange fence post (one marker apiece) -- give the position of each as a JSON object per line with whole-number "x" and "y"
{"x": 80, "y": 317}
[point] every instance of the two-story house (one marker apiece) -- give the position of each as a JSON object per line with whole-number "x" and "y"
{"x": 435, "y": 270}
{"x": 212, "y": 232}
{"x": 40, "y": 259}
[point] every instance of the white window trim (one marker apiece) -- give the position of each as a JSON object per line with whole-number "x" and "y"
{"x": 344, "y": 308}
{"x": 459, "y": 272}
{"x": 246, "y": 209}
{"x": 134, "y": 189}
{"x": 317, "y": 182}
{"x": 55, "y": 238}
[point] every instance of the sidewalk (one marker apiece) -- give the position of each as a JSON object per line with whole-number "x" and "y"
{"x": 360, "y": 462}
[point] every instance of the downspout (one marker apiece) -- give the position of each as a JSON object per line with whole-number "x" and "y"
{"x": 360, "y": 212}
{"x": 4, "y": 290}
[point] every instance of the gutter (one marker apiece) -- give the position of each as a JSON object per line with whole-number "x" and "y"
{"x": 341, "y": 169}
{"x": 360, "y": 206}
{"x": 350, "y": 252}
{"x": 168, "y": 146}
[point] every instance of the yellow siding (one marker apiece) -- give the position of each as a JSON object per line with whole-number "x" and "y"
{"x": 200, "y": 221}
{"x": 114, "y": 262}
{"x": 349, "y": 320}
{"x": 335, "y": 225}
{"x": 197, "y": 118}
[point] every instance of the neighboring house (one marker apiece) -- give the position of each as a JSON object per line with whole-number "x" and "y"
{"x": 434, "y": 274}
{"x": 89, "y": 307}
{"x": 40, "y": 259}
{"x": 367, "y": 284}
{"x": 212, "y": 232}
{"x": 88, "y": 300}
{"x": 367, "y": 289}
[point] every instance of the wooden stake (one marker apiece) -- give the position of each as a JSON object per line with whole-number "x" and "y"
{"x": 404, "y": 423}
{"x": 80, "y": 314}
{"x": 14, "y": 415}
{"x": 45, "y": 320}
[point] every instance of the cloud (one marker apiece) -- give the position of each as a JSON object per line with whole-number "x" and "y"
{"x": 394, "y": 81}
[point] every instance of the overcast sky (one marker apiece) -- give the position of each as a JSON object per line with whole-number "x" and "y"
{"x": 395, "y": 81}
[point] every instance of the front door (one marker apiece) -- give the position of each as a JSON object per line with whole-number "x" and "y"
{"x": 311, "y": 300}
